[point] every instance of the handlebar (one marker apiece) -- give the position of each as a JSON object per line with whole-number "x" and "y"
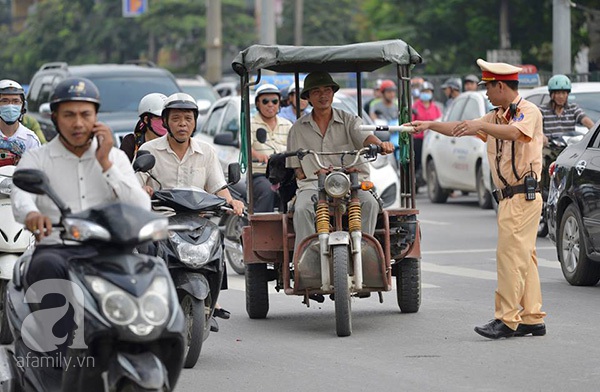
{"x": 389, "y": 128}
{"x": 368, "y": 152}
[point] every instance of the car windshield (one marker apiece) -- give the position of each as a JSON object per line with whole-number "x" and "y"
{"x": 588, "y": 102}
{"x": 200, "y": 92}
{"x": 124, "y": 94}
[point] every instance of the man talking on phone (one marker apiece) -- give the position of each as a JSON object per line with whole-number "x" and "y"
{"x": 85, "y": 170}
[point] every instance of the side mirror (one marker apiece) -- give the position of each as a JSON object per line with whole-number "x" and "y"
{"x": 36, "y": 182}
{"x": 144, "y": 162}
{"x": 225, "y": 139}
{"x": 261, "y": 135}
{"x": 44, "y": 110}
{"x": 233, "y": 173}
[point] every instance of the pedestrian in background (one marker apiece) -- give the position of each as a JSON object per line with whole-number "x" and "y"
{"x": 424, "y": 109}
{"x": 452, "y": 88}
{"x": 471, "y": 83}
{"x": 514, "y": 137}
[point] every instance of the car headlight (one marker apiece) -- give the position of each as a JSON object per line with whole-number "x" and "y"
{"x": 337, "y": 184}
{"x": 82, "y": 230}
{"x": 195, "y": 255}
{"x": 6, "y": 186}
{"x": 121, "y": 308}
{"x": 156, "y": 230}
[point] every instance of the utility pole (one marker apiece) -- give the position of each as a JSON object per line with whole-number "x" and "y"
{"x": 266, "y": 22}
{"x": 561, "y": 37}
{"x": 298, "y": 22}
{"x": 213, "y": 41}
{"x": 504, "y": 28}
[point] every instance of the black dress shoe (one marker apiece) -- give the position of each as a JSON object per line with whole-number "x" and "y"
{"x": 495, "y": 329}
{"x": 533, "y": 329}
{"x": 221, "y": 313}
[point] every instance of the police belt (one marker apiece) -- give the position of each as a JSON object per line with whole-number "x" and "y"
{"x": 510, "y": 191}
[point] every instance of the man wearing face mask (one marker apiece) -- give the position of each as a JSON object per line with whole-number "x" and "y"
{"x": 12, "y": 109}
{"x": 149, "y": 127}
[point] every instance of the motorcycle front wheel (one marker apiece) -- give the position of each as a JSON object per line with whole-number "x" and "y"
{"x": 234, "y": 253}
{"x": 343, "y": 311}
{"x": 194, "y": 314}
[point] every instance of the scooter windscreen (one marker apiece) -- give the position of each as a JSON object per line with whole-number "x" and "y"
{"x": 188, "y": 199}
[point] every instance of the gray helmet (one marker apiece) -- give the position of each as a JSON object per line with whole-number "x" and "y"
{"x": 471, "y": 78}
{"x": 318, "y": 79}
{"x": 427, "y": 86}
{"x": 453, "y": 83}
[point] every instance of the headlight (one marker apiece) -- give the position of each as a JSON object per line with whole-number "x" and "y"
{"x": 6, "y": 186}
{"x": 121, "y": 308}
{"x": 154, "y": 305}
{"x": 337, "y": 184}
{"x": 195, "y": 255}
{"x": 155, "y": 230}
{"x": 82, "y": 230}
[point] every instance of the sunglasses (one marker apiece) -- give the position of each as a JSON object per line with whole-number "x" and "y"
{"x": 274, "y": 101}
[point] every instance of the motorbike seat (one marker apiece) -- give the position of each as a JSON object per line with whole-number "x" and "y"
{"x": 21, "y": 268}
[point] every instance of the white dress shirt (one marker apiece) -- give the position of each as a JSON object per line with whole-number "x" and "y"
{"x": 199, "y": 168}
{"x": 78, "y": 181}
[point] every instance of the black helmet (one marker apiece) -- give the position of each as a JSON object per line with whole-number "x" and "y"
{"x": 75, "y": 89}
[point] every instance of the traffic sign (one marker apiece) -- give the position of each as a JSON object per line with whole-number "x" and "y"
{"x": 133, "y": 8}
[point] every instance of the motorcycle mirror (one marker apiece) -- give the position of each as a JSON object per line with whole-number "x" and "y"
{"x": 233, "y": 173}
{"x": 144, "y": 162}
{"x": 142, "y": 152}
{"x": 36, "y": 182}
{"x": 225, "y": 139}
{"x": 261, "y": 135}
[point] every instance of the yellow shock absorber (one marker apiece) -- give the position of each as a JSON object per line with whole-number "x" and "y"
{"x": 322, "y": 218}
{"x": 354, "y": 219}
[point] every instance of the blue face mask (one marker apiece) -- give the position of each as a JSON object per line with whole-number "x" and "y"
{"x": 425, "y": 96}
{"x": 10, "y": 113}
{"x": 415, "y": 92}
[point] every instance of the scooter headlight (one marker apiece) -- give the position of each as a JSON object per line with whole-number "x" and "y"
{"x": 154, "y": 306}
{"x": 195, "y": 255}
{"x": 82, "y": 230}
{"x": 156, "y": 230}
{"x": 6, "y": 186}
{"x": 337, "y": 184}
{"x": 119, "y": 308}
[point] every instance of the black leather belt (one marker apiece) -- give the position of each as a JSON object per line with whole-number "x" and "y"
{"x": 510, "y": 191}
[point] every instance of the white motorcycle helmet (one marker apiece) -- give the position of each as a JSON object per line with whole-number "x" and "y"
{"x": 152, "y": 103}
{"x": 179, "y": 101}
{"x": 11, "y": 87}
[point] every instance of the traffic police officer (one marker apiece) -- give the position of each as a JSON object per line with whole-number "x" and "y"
{"x": 514, "y": 138}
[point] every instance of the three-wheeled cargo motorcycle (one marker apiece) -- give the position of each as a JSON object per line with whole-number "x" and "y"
{"x": 339, "y": 260}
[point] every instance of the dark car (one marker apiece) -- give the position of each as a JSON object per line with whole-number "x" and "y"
{"x": 121, "y": 86}
{"x": 573, "y": 209}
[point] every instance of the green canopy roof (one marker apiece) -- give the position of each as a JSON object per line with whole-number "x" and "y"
{"x": 360, "y": 57}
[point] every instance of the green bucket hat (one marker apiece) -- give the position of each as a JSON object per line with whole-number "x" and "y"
{"x": 318, "y": 79}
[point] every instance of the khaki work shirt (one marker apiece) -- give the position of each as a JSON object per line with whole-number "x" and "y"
{"x": 199, "y": 168}
{"x": 276, "y": 139}
{"x": 528, "y": 148}
{"x": 342, "y": 134}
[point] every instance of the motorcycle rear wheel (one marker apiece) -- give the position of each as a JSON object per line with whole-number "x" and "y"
{"x": 5, "y": 334}
{"x": 343, "y": 308}
{"x": 195, "y": 320}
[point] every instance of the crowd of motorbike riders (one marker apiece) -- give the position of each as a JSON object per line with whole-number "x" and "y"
{"x": 86, "y": 170}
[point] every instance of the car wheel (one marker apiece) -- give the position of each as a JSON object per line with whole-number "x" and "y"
{"x": 435, "y": 192}
{"x": 577, "y": 268}
{"x": 484, "y": 198}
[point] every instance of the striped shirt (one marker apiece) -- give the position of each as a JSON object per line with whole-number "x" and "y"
{"x": 566, "y": 121}
{"x": 276, "y": 139}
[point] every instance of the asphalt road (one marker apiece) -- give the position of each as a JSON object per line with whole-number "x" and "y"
{"x": 436, "y": 349}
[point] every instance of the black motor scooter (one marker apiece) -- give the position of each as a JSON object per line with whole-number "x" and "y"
{"x": 194, "y": 255}
{"x": 129, "y": 333}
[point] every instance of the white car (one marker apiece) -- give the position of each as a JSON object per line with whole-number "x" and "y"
{"x": 461, "y": 164}
{"x": 221, "y": 129}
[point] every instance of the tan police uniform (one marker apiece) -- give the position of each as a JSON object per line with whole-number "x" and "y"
{"x": 518, "y": 296}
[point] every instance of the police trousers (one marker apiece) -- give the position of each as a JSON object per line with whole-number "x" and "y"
{"x": 518, "y": 297}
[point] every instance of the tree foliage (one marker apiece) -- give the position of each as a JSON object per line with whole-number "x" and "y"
{"x": 449, "y": 34}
